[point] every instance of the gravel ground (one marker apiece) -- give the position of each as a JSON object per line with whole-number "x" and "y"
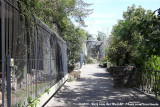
{"x": 95, "y": 88}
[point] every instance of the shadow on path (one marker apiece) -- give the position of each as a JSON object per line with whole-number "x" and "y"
{"x": 95, "y": 87}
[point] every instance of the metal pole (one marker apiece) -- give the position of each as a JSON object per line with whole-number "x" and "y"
{"x": 142, "y": 80}
{"x": 3, "y": 48}
{"x": 8, "y": 82}
{"x": 36, "y": 58}
{"x": 50, "y": 61}
{"x": 155, "y": 83}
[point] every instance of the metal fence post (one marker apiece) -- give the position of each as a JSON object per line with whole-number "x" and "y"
{"x": 81, "y": 60}
{"x": 142, "y": 80}
{"x": 3, "y": 47}
{"x": 8, "y": 81}
{"x": 36, "y": 58}
{"x": 155, "y": 83}
{"x": 50, "y": 61}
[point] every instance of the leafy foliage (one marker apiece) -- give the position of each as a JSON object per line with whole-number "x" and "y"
{"x": 60, "y": 13}
{"x": 47, "y": 90}
{"x": 74, "y": 43}
{"x": 153, "y": 63}
{"x": 101, "y": 36}
{"x": 20, "y": 104}
{"x": 138, "y": 34}
{"x": 116, "y": 53}
{"x": 33, "y": 102}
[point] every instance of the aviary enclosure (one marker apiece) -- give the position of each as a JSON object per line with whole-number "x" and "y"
{"x": 31, "y": 60}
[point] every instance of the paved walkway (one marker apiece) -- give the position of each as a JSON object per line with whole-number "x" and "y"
{"x": 95, "y": 87}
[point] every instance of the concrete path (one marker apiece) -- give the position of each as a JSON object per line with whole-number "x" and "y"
{"x": 95, "y": 88}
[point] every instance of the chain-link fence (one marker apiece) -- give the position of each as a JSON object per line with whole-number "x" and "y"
{"x": 32, "y": 60}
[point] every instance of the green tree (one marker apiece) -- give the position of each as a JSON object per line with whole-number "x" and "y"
{"x": 116, "y": 53}
{"x": 136, "y": 29}
{"x": 74, "y": 43}
{"x": 60, "y": 13}
{"x": 101, "y": 36}
{"x": 89, "y": 36}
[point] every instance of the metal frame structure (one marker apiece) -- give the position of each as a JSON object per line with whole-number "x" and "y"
{"x": 3, "y": 47}
{"x": 93, "y": 44}
{"x": 90, "y": 45}
{"x": 31, "y": 60}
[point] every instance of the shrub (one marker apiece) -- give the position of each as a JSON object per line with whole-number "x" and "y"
{"x": 153, "y": 63}
{"x": 103, "y": 62}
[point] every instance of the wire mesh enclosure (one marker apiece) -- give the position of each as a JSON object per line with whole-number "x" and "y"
{"x": 95, "y": 49}
{"x": 32, "y": 60}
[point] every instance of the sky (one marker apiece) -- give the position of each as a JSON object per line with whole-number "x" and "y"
{"x": 106, "y": 13}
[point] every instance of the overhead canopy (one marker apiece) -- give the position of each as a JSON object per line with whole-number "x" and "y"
{"x": 94, "y": 43}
